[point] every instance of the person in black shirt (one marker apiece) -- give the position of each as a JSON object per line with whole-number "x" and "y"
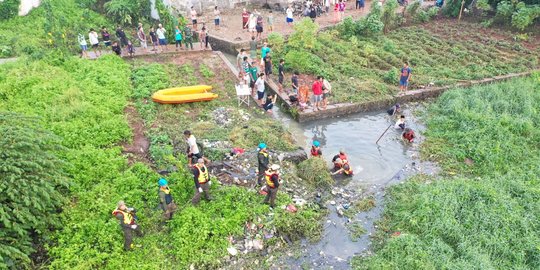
{"x": 294, "y": 80}
{"x": 281, "y": 73}
{"x": 269, "y": 104}
{"x": 122, "y": 36}
{"x": 105, "y": 36}
{"x": 116, "y": 49}
{"x": 154, "y": 39}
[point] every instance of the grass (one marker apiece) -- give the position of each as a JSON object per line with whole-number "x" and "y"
{"x": 441, "y": 53}
{"x": 485, "y": 216}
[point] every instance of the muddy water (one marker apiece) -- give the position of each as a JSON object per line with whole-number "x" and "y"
{"x": 375, "y": 167}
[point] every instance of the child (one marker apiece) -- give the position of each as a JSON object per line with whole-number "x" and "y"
{"x": 116, "y": 48}
{"x": 270, "y": 21}
{"x": 202, "y": 37}
{"x": 400, "y": 123}
{"x": 84, "y": 46}
{"x": 130, "y": 49}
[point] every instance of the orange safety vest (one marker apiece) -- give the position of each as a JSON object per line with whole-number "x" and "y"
{"x": 128, "y": 217}
{"x": 203, "y": 176}
{"x": 348, "y": 171}
{"x": 268, "y": 177}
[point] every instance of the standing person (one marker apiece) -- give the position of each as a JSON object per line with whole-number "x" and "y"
{"x": 270, "y": 22}
{"x": 259, "y": 26}
{"x": 178, "y": 37}
{"x": 272, "y": 184}
{"x": 327, "y": 90}
{"x": 217, "y": 17}
{"x": 327, "y": 6}
{"x": 130, "y": 49}
{"x": 193, "y": 151}
{"x": 312, "y": 13}
{"x": 360, "y": 5}
{"x": 240, "y": 59}
{"x": 202, "y": 182}
{"x": 188, "y": 37}
{"x": 253, "y": 48}
{"x": 245, "y": 64}
{"x": 154, "y": 39}
{"x": 245, "y": 18}
{"x": 336, "y": 12}
{"x": 105, "y": 36}
{"x": 253, "y": 76}
{"x": 294, "y": 82}
{"x": 94, "y": 41}
{"x": 268, "y": 65}
{"x": 341, "y": 9}
{"x": 289, "y": 16}
{"x": 269, "y": 103}
{"x": 160, "y": 32}
{"x": 193, "y": 15}
{"x": 128, "y": 223}
{"x": 316, "y": 149}
{"x": 303, "y": 96}
{"x": 264, "y": 50}
{"x": 404, "y": 78}
{"x": 116, "y": 49}
{"x": 252, "y": 23}
{"x": 166, "y": 202}
{"x": 259, "y": 84}
{"x": 400, "y": 123}
{"x": 317, "y": 92}
{"x": 83, "y": 45}
{"x": 120, "y": 34}
{"x": 142, "y": 37}
{"x": 263, "y": 160}
{"x": 281, "y": 73}
{"x": 202, "y": 37}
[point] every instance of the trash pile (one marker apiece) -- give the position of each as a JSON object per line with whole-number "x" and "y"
{"x": 223, "y": 116}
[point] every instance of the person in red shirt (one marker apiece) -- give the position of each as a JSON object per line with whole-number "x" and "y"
{"x": 245, "y": 17}
{"x": 408, "y": 135}
{"x": 317, "y": 91}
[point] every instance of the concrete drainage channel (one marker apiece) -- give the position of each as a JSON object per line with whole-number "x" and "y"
{"x": 376, "y": 167}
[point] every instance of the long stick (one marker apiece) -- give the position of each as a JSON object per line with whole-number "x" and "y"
{"x": 461, "y": 10}
{"x": 384, "y": 133}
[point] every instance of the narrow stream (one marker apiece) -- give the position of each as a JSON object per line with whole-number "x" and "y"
{"x": 375, "y": 167}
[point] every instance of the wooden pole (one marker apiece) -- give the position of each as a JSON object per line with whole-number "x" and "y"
{"x": 461, "y": 9}
{"x": 383, "y": 133}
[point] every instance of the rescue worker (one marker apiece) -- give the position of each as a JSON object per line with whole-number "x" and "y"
{"x": 166, "y": 202}
{"x": 316, "y": 149}
{"x": 126, "y": 217}
{"x": 263, "y": 159}
{"x": 340, "y": 159}
{"x": 272, "y": 184}
{"x": 345, "y": 170}
{"x": 408, "y": 135}
{"x": 202, "y": 182}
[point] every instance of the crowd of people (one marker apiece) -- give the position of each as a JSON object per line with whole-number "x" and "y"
{"x": 156, "y": 38}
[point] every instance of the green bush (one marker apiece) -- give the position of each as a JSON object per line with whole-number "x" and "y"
{"x": 315, "y": 172}
{"x": 32, "y": 181}
{"x": 478, "y": 216}
{"x": 9, "y": 9}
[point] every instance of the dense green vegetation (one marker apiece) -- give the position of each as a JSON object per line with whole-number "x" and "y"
{"x": 479, "y": 216}
{"x": 364, "y": 68}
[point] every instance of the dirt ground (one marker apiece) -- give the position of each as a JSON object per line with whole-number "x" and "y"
{"x": 138, "y": 148}
{"x": 231, "y": 21}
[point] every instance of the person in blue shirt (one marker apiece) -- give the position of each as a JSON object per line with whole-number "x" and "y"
{"x": 404, "y": 77}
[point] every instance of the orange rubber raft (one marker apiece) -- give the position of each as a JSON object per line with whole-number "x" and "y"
{"x": 185, "y": 94}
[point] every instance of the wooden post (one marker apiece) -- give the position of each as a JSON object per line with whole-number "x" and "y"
{"x": 461, "y": 10}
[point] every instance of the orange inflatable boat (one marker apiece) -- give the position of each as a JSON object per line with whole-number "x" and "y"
{"x": 184, "y": 94}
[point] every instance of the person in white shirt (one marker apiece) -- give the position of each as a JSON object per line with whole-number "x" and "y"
{"x": 193, "y": 15}
{"x": 259, "y": 84}
{"x": 83, "y": 44}
{"x": 289, "y": 12}
{"x": 160, "y": 32}
{"x": 327, "y": 90}
{"x": 94, "y": 42}
{"x": 400, "y": 123}
{"x": 193, "y": 151}
{"x": 217, "y": 17}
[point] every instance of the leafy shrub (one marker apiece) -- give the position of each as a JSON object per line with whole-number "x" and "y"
{"x": 256, "y": 131}
{"x": 412, "y": 9}
{"x": 304, "y": 35}
{"x": 525, "y": 16}
{"x": 389, "y": 17}
{"x": 276, "y": 42}
{"x": 391, "y": 76}
{"x": 315, "y": 172}
{"x": 32, "y": 180}
{"x": 9, "y": 9}
{"x": 304, "y": 62}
